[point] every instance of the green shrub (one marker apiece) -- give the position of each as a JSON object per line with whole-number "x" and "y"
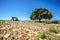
{"x": 49, "y": 34}
{"x": 52, "y": 37}
{"x": 53, "y": 29}
{"x": 26, "y": 38}
{"x": 46, "y": 21}
{"x": 55, "y": 22}
{"x": 42, "y": 36}
{"x": 36, "y": 37}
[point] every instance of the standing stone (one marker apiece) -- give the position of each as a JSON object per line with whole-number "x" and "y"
{"x": 14, "y": 19}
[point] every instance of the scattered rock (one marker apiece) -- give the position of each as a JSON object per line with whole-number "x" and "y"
{"x": 15, "y": 30}
{"x": 6, "y": 35}
{"x": 1, "y": 38}
{"x": 58, "y": 34}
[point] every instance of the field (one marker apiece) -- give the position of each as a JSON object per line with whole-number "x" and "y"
{"x": 2, "y": 21}
{"x": 29, "y": 30}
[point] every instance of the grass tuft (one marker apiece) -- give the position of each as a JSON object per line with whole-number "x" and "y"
{"x": 53, "y": 29}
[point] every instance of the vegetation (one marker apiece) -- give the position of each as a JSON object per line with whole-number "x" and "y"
{"x": 48, "y": 35}
{"x": 42, "y": 36}
{"x": 2, "y": 21}
{"x": 40, "y": 13}
{"x": 53, "y": 29}
{"x": 36, "y": 16}
{"x": 26, "y": 38}
{"x": 46, "y": 21}
{"x": 52, "y": 37}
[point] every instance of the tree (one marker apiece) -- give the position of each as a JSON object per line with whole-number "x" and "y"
{"x": 40, "y": 13}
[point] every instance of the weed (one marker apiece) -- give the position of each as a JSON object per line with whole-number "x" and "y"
{"x": 53, "y": 29}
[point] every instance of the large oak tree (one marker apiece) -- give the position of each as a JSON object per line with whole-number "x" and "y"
{"x": 40, "y": 13}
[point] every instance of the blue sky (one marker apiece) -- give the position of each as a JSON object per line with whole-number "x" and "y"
{"x": 23, "y": 8}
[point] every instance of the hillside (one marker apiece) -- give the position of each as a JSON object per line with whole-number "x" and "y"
{"x": 23, "y": 30}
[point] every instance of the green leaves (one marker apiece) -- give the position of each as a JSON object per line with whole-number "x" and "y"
{"x": 40, "y": 13}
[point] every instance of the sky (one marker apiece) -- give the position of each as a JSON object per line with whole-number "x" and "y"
{"x": 23, "y": 8}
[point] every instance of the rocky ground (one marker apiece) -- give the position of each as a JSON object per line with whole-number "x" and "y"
{"x": 22, "y": 30}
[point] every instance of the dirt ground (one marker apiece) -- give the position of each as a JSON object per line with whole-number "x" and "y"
{"x": 19, "y": 30}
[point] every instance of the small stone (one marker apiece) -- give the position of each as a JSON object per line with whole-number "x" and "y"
{"x": 58, "y": 34}
{"x": 20, "y": 35}
{"x": 6, "y": 35}
{"x": 1, "y": 38}
{"x": 3, "y": 28}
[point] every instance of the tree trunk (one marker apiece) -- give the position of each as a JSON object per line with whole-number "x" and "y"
{"x": 39, "y": 19}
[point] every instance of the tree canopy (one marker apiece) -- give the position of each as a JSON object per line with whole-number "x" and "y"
{"x": 40, "y": 13}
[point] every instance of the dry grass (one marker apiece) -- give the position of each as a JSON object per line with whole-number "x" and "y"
{"x": 23, "y": 30}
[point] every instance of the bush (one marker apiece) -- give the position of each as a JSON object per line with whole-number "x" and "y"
{"x": 53, "y": 29}
{"x": 36, "y": 37}
{"x": 52, "y": 37}
{"x": 47, "y": 21}
{"x": 47, "y": 35}
{"x": 42, "y": 36}
{"x": 55, "y": 22}
{"x": 26, "y": 38}
{"x": 50, "y": 21}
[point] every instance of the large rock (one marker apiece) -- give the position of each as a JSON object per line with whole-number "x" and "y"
{"x": 14, "y": 19}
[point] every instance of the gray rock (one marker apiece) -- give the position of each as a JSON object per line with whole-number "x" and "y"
{"x": 14, "y": 19}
